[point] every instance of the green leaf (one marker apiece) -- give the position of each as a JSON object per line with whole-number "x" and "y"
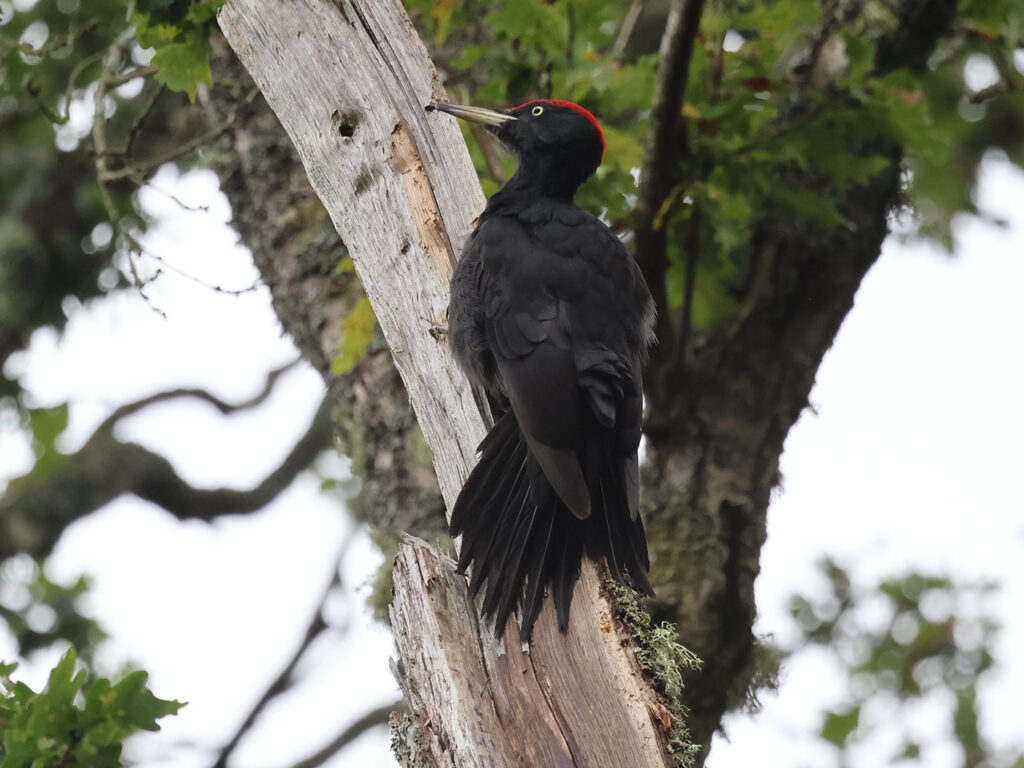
{"x": 50, "y": 728}
{"x": 184, "y": 65}
{"x": 153, "y": 36}
{"x": 200, "y": 13}
{"x": 838, "y": 726}
{"x": 442, "y": 14}
{"x": 912, "y": 751}
{"x": 48, "y": 423}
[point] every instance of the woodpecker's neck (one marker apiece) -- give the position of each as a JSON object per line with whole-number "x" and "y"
{"x": 543, "y": 176}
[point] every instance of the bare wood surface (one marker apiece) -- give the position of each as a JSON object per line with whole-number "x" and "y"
{"x": 350, "y": 82}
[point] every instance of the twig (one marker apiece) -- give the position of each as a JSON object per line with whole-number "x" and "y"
{"x": 36, "y": 93}
{"x": 69, "y": 89}
{"x": 628, "y": 24}
{"x": 371, "y": 719}
{"x": 175, "y": 199}
{"x": 137, "y": 173}
{"x": 284, "y": 679}
{"x": 99, "y": 142}
{"x": 1009, "y": 80}
{"x": 717, "y": 68}
{"x": 990, "y": 92}
{"x": 200, "y": 394}
{"x": 130, "y": 171}
{"x": 136, "y": 126}
{"x": 52, "y": 45}
{"x": 141, "y": 250}
{"x": 132, "y": 74}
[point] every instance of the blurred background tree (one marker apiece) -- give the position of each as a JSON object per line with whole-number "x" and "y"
{"x": 776, "y": 144}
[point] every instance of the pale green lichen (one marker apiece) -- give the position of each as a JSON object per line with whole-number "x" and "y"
{"x": 665, "y": 660}
{"x": 407, "y": 741}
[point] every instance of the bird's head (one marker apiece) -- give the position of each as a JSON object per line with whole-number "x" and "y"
{"x": 559, "y": 144}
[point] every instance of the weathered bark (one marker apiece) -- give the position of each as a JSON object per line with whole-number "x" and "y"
{"x": 402, "y": 192}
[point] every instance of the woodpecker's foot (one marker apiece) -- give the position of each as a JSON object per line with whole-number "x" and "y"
{"x": 437, "y": 331}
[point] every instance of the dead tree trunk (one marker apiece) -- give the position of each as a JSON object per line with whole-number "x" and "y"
{"x": 350, "y": 81}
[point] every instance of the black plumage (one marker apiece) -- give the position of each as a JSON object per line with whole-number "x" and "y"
{"x": 549, "y": 313}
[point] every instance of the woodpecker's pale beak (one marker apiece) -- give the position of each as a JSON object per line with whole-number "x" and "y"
{"x": 476, "y": 114}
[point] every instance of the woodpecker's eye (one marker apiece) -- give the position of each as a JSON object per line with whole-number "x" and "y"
{"x": 537, "y": 111}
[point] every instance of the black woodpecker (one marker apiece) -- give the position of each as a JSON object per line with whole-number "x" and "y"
{"x": 551, "y": 315}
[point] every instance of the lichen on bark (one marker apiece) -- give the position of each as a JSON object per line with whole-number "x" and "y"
{"x": 665, "y": 661}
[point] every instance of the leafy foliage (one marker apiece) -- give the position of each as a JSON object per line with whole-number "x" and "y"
{"x": 179, "y": 32}
{"x": 906, "y": 640}
{"x": 39, "y": 612}
{"x": 75, "y": 720}
{"x": 46, "y": 425}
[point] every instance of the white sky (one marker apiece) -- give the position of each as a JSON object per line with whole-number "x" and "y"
{"x": 912, "y": 461}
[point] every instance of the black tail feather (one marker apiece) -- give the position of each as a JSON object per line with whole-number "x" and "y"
{"x": 536, "y": 577}
{"x": 521, "y": 539}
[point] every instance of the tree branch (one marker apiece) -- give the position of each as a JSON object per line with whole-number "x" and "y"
{"x": 373, "y": 718}
{"x": 663, "y": 152}
{"x": 224, "y": 407}
{"x": 36, "y": 509}
{"x": 51, "y": 45}
{"x": 628, "y": 23}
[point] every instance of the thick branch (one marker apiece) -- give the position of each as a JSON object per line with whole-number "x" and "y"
{"x": 664, "y": 149}
{"x": 35, "y": 510}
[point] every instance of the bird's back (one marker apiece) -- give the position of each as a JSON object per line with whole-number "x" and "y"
{"x": 550, "y": 313}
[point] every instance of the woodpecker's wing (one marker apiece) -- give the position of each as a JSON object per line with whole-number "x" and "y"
{"x": 524, "y": 327}
{"x": 560, "y": 318}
